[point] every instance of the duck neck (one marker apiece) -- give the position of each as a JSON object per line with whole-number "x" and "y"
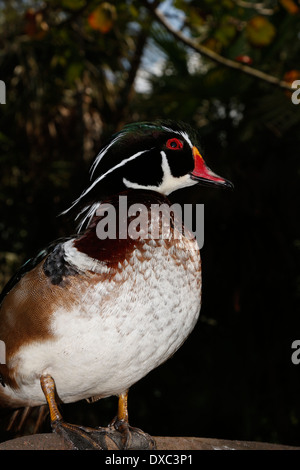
{"x": 126, "y": 221}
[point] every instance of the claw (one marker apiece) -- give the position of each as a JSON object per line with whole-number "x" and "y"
{"x": 133, "y": 438}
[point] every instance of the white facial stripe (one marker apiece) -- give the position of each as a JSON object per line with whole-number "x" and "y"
{"x": 122, "y": 163}
{"x": 169, "y": 182}
{"x": 90, "y": 211}
{"x": 186, "y": 137}
{"x": 101, "y": 155}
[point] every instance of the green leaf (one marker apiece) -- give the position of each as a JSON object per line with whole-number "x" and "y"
{"x": 226, "y": 32}
{"x": 260, "y": 32}
{"x": 74, "y": 71}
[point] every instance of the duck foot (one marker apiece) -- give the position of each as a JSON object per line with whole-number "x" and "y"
{"x": 81, "y": 437}
{"x": 118, "y": 436}
{"x": 129, "y": 438}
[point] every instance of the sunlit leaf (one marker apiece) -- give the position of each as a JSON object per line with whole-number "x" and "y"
{"x": 103, "y": 17}
{"x": 290, "y": 6}
{"x": 260, "y": 32}
{"x": 291, "y": 76}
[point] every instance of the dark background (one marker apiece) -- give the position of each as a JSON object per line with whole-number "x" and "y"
{"x": 72, "y": 72}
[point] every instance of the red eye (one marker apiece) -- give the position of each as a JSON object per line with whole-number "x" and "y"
{"x": 174, "y": 144}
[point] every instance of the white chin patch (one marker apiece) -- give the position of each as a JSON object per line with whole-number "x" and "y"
{"x": 169, "y": 182}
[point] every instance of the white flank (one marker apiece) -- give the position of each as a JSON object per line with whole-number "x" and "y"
{"x": 82, "y": 261}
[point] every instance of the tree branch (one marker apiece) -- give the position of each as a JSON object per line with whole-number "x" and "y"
{"x": 205, "y": 52}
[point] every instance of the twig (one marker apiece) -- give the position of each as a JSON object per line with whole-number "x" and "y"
{"x": 260, "y": 7}
{"x": 204, "y": 51}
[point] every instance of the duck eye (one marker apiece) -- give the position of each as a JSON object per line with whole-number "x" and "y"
{"x": 174, "y": 144}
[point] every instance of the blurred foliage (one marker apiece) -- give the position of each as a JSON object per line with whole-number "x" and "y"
{"x": 76, "y": 71}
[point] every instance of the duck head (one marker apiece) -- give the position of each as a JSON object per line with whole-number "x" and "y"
{"x": 158, "y": 156}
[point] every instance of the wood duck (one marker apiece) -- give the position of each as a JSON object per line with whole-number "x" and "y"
{"x": 88, "y": 317}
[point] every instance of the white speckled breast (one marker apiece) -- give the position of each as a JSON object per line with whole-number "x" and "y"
{"x": 123, "y": 327}
{"x": 112, "y": 323}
